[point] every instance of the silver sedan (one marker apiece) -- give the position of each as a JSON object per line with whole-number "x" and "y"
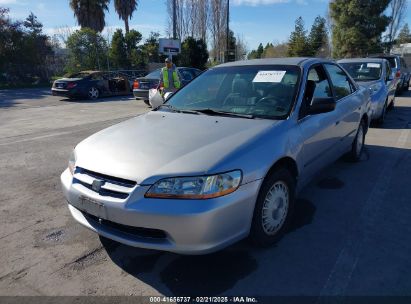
{"x": 374, "y": 73}
{"x": 222, "y": 159}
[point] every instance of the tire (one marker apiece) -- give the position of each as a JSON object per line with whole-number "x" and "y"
{"x": 381, "y": 120}
{"x": 271, "y": 217}
{"x": 147, "y": 102}
{"x": 358, "y": 144}
{"x": 93, "y": 93}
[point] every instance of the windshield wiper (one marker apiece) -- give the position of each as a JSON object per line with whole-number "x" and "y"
{"x": 209, "y": 111}
{"x": 176, "y": 110}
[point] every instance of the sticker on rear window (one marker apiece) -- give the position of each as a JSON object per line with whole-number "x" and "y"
{"x": 269, "y": 76}
{"x": 373, "y": 65}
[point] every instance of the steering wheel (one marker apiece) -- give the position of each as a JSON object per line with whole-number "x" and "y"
{"x": 269, "y": 100}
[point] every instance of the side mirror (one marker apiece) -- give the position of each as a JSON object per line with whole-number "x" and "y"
{"x": 167, "y": 95}
{"x": 322, "y": 105}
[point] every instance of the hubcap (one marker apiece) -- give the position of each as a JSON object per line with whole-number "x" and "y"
{"x": 360, "y": 140}
{"x": 93, "y": 93}
{"x": 275, "y": 208}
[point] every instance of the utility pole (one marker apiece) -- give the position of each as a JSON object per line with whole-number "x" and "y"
{"x": 228, "y": 32}
{"x": 174, "y": 19}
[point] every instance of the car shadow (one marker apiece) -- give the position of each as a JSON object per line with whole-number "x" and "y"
{"x": 10, "y": 97}
{"x": 396, "y": 118}
{"x": 210, "y": 274}
{"x": 99, "y": 100}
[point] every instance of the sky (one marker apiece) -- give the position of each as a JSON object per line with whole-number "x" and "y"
{"x": 254, "y": 20}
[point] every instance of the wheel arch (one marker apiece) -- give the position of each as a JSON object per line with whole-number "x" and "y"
{"x": 285, "y": 162}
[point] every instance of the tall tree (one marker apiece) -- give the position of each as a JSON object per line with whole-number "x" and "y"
{"x": 87, "y": 50}
{"x": 125, "y": 10}
{"x": 298, "y": 44}
{"x": 90, "y": 13}
{"x": 358, "y": 26}
{"x": 397, "y": 12}
{"x": 318, "y": 37}
{"x": 193, "y": 53}
{"x": 404, "y": 36}
{"x": 118, "y": 50}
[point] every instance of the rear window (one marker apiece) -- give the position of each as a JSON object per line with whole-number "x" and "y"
{"x": 79, "y": 75}
{"x": 363, "y": 71}
{"x": 155, "y": 74}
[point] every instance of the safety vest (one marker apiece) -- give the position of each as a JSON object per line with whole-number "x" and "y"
{"x": 166, "y": 81}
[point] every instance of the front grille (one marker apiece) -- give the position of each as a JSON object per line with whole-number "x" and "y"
{"x": 130, "y": 230}
{"x": 107, "y": 178}
{"x": 109, "y": 186}
{"x": 103, "y": 192}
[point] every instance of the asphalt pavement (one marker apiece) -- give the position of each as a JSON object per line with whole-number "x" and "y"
{"x": 351, "y": 234}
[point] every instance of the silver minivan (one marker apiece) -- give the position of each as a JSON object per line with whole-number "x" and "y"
{"x": 222, "y": 159}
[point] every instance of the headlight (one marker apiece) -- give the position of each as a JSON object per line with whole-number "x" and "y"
{"x": 72, "y": 162}
{"x": 196, "y": 187}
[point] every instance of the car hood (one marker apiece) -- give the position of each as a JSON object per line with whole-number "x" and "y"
{"x": 160, "y": 144}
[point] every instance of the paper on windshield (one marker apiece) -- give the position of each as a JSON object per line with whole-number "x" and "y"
{"x": 373, "y": 65}
{"x": 269, "y": 76}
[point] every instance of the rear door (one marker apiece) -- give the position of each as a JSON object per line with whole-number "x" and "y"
{"x": 349, "y": 102}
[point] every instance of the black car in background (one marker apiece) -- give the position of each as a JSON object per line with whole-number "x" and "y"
{"x": 92, "y": 85}
{"x": 142, "y": 85}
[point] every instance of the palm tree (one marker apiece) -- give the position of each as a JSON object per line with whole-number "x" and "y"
{"x": 90, "y": 13}
{"x": 125, "y": 10}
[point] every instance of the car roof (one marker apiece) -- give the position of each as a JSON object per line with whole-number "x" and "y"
{"x": 384, "y": 55}
{"x": 298, "y": 61}
{"x": 371, "y": 60}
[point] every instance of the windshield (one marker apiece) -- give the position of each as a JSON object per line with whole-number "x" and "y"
{"x": 155, "y": 74}
{"x": 79, "y": 75}
{"x": 258, "y": 91}
{"x": 363, "y": 71}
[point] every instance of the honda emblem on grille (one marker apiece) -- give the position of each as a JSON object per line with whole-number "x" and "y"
{"x": 97, "y": 184}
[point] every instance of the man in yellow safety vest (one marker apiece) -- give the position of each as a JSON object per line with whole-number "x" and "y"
{"x": 169, "y": 80}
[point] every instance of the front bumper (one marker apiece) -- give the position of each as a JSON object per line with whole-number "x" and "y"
{"x": 189, "y": 226}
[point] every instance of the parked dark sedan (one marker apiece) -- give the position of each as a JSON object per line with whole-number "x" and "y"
{"x": 142, "y": 85}
{"x": 92, "y": 85}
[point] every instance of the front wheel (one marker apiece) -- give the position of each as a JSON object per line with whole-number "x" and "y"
{"x": 147, "y": 102}
{"x": 93, "y": 93}
{"x": 274, "y": 208}
{"x": 358, "y": 144}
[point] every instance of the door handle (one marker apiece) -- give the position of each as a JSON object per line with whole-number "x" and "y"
{"x": 337, "y": 122}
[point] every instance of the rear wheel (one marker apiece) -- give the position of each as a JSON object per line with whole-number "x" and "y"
{"x": 93, "y": 93}
{"x": 358, "y": 144}
{"x": 274, "y": 208}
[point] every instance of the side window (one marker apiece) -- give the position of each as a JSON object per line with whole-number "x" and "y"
{"x": 322, "y": 86}
{"x": 317, "y": 86}
{"x": 186, "y": 74}
{"x": 341, "y": 85}
{"x": 97, "y": 76}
